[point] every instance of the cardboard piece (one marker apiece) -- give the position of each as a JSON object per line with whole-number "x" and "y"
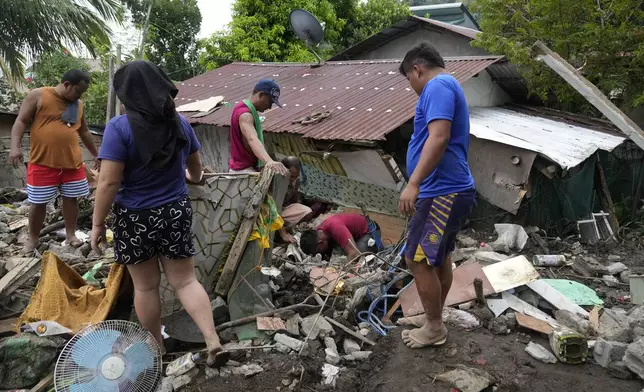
{"x": 533, "y": 324}
{"x": 511, "y": 273}
{"x": 462, "y": 290}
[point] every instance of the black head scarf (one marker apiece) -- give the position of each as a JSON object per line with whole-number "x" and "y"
{"x": 148, "y": 95}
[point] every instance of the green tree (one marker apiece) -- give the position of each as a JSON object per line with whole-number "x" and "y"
{"x": 604, "y": 39}
{"x": 41, "y": 26}
{"x": 171, "y": 41}
{"x": 260, "y": 30}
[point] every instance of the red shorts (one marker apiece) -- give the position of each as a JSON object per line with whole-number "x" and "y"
{"x": 44, "y": 184}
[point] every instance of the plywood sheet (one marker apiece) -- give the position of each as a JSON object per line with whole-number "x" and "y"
{"x": 533, "y": 324}
{"x": 462, "y": 290}
{"x": 511, "y": 273}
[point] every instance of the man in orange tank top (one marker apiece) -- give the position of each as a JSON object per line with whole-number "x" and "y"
{"x": 56, "y": 115}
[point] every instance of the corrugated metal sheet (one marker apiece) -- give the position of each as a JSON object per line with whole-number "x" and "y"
{"x": 286, "y": 144}
{"x": 567, "y": 145}
{"x": 367, "y": 99}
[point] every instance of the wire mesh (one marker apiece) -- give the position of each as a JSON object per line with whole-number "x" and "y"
{"x": 78, "y": 368}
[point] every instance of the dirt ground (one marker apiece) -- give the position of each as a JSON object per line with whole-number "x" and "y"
{"x": 394, "y": 367}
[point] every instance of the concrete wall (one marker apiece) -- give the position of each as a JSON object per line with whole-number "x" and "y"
{"x": 6, "y": 122}
{"x": 448, "y": 45}
{"x": 215, "y": 146}
{"x": 481, "y": 90}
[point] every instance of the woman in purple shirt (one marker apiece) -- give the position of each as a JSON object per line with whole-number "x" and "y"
{"x": 146, "y": 157}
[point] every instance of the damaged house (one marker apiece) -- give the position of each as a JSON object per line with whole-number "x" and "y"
{"x": 349, "y": 120}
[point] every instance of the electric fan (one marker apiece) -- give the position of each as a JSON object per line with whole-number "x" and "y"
{"x": 111, "y": 356}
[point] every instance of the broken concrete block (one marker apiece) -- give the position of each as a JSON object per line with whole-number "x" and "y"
{"x": 293, "y": 325}
{"x": 349, "y": 358}
{"x": 374, "y": 278}
{"x": 332, "y": 356}
{"x": 540, "y": 353}
{"x": 180, "y": 382}
{"x": 634, "y": 357}
{"x": 466, "y": 242}
{"x": 613, "y": 258}
{"x": 619, "y": 370}
{"x": 329, "y": 342}
{"x": 247, "y": 370}
{"x": 498, "y": 326}
{"x": 461, "y": 318}
{"x": 606, "y": 352}
{"x": 219, "y": 309}
{"x": 320, "y": 328}
{"x": 358, "y": 298}
{"x": 610, "y": 280}
{"x": 211, "y": 373}
{"x": 575, "y": 322}
{"x": 225, "y": 372}
{"x": 616, "y": 268}
{"x": 614, "y": 325}
{"x": 350, "y": 346}
{"x": 467, "y": 379}
{"x": 166, "y": 385}
{"x": 291, "y": 343}
{"x": 489, "y": 257}
{"x": 511, "y": 237}
{"x": 361, "y": 355}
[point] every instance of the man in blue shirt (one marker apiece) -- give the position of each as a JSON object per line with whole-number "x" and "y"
{"x": 440, "y": 195}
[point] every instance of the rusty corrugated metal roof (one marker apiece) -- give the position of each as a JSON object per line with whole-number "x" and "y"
{"x": 367, "y": 99}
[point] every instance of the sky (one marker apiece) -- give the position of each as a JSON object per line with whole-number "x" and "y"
{"x": 215, "y": 15}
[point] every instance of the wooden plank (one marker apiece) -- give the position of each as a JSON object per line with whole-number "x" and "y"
{"x": 555, "y": 298}
{"x": 590, "y": 92}
{"x": 251, "y": 211}
{"x": 43, "y": 384}
{"x": 18, "y": 224}
{"x": 396, "y": 305}
{"x": 605, "y": 199}
{"x": 533, "y": 324}
{"x": 349, "y": 331}
{"x": 18, "y": 276}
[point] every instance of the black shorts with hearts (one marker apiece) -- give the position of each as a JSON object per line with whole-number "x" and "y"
{"x": 140, "y": 235}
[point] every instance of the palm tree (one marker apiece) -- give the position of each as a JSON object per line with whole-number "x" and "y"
{"x": 37, "y": 26}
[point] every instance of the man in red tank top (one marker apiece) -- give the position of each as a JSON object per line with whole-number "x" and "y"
{"x": 246, "y": 143}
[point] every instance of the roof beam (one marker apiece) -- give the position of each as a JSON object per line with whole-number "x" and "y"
{"x": 590, "y": 92}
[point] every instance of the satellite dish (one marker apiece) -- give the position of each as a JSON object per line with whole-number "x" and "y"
{"x": 307, "y": 28}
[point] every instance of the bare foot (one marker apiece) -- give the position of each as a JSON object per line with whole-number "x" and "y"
{"x": 413, "y": 321}
{"x": 217, "y": 357}
{"x": 74, "y": 242}
{"x": 30, "y": 248}
{"x": 424, "y": 337}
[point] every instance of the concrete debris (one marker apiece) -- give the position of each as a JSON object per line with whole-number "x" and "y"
{"x": 349, "y": 346}
{"x": 610, "y": 280}
{"x": 166, "y": 385}
{"x": 511, "y": 237}
{"x": 616, "y": 268}
{"x": 373, "y": 278}
{"x": 330, "y": 343}
{"x": 498, "y": 326}
{"x": 467, "y": 379}
{"x": 320, "y": 328}
{"x": 291, "y": 343}
{"x": 358, "y": 298}
{"x": 219, "y": 310}
{"x": 613, "y": 258}
{"x": 614, "y": 325}
{"x": 247, "y": 370}
{"x": 620, "y": 370}
{"x": 575, "y": 322}
{"x": 180, "y": 382}
{"x": 634, "y": 357}
{"x": 606, "y": 352}
{"x": 625, "y": 276}
{"x": 540, "y": 353}
{"x": 211, "y": 373}
{"x": 331, "y": 356}
{"x": 293, "y": 325}
{"x": 466, "y": 242}
{"x": 225, "y": 372}
{"x": 485, "y": 257}
{"x": 361, "y": 355}
{"x": 460, "y": 318}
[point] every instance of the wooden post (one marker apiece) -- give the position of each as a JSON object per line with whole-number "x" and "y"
{"x": 478, "y": 289}
{"x": 604, "y": 197}
{"x": 117, "y": 104}
{"x": 111, "y": 95}
{"x": 249, "y": 216}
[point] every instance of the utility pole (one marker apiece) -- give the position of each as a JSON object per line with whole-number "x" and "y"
{"x": 146, "y": 26}
{"x": 111, "y": 96}
{"x": 117, "y": 66}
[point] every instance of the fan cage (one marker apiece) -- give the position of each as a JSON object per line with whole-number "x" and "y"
{"x": 69, "y": 377}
